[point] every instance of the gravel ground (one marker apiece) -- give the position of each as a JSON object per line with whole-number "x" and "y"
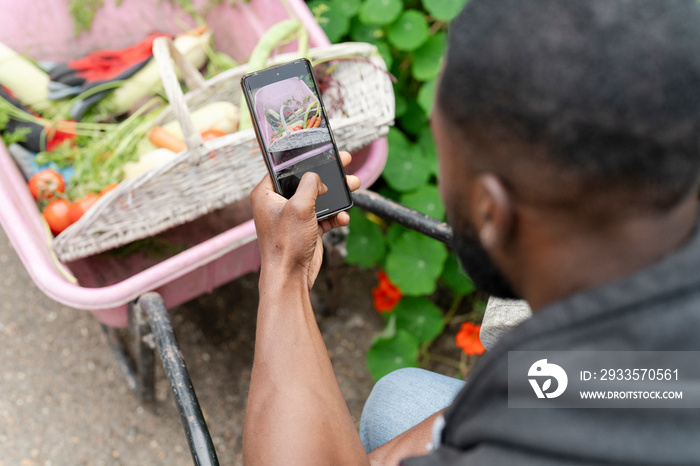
{"x": 64, "y": 401}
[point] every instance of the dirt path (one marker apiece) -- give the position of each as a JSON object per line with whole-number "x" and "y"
{"x": 63, "y": 400}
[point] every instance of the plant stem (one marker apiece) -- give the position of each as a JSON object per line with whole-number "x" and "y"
{"x": 444, "y": 360}
{"x": 453, "y": 308}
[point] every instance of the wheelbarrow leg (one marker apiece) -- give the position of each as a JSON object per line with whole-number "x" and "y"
{"x": 145, "y": 354}
{"x": 122, "y": 356}
{"x": 201, "y": 445}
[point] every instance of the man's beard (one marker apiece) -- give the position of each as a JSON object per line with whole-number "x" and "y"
{"x": 480, "y": 267}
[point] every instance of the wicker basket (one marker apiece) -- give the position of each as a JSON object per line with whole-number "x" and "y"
{"x": 207, "y": 176}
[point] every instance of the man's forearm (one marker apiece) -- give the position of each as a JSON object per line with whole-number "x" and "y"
{"x": 296, "y": 413}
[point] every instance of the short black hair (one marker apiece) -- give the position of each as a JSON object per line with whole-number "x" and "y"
{"x": 610, "y": 88}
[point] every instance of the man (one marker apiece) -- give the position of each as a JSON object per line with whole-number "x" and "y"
{"x": 568, "y": 135}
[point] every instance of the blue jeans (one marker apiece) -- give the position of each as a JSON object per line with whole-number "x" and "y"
{"x": 401, "y": 400}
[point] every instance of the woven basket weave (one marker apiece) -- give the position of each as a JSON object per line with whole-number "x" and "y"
{"x": 207, "y": 176}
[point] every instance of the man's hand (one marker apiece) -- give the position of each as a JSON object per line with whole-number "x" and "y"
{"x": 289, "y": 233}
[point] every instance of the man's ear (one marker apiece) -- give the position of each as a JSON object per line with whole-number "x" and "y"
{"x": 492, "y": 211}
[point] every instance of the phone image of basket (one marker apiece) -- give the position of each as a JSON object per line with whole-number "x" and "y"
{"x": 291, "y": 122}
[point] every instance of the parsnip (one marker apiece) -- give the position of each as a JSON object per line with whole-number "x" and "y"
{"x": 27, "y": 82}
{"x": 147, "y": 162}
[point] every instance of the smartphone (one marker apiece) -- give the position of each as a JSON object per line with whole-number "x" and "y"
{"x": 294, "y": 134}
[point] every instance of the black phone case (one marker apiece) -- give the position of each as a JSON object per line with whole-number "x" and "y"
{"x": 256, "y": 127}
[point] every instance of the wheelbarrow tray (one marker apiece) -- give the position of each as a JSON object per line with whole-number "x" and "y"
{"x": 105, "y": 286}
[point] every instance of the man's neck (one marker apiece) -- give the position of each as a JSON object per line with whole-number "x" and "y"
{"x": 568, "y": 262}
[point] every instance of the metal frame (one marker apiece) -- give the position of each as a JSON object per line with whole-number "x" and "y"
{"x": 150, "y": 328}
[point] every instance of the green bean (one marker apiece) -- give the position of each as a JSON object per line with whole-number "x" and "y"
{"x": 267, "y": 43}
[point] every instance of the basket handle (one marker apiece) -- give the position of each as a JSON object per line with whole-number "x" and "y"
{"x": 285, "y": 128}
{"x": 165, "y": 53}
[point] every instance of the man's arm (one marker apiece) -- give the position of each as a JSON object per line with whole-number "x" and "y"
{"x": 296, "y": 413}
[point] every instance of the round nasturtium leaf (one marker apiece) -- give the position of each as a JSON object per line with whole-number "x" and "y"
{"x": 426, "y": 200}
{"x": 445, "y": 10}
{"x": 361, "y": 32}
{"x": 414, "y": 120}
{"x": 394, "y": 231}
{"x": 456, "y": 278}
{"x": 428, "y": 58}
{"x": 409, "y": 32}
{"x": 406, "y": 169}
{"x": 331, "y": 19}
{"x": 348, "y": 7}
{"x": 401, "y": 105}
{"x": 385, "y": 52}
{"x": 426, "y": 96}
{"x": 380, "y": 11}
{"x": 415, "y": 262}
{"x": 427, "y": 145}
{"x": 420, "y": 317}
{"x": 365, "y": 242}
{"x": 388, "y": 355}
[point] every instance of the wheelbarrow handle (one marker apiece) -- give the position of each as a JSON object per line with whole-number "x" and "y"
{"x": 201, "y": 445}
{"x": 397, "y": 213}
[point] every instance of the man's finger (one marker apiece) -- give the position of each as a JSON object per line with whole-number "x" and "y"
{"x": 345, "y": 157}
{"x": 353, "y": 182}
{"x": 310, "y": 187}
{"x": 265, "y": 184}
{"x": 337, "y": 221}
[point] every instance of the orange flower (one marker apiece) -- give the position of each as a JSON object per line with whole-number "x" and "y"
{"x": 468, "y": 339}
{"x": 386, "y": 294}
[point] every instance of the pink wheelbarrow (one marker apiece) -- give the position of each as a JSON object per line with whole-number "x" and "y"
{"x": 135, "y": 292}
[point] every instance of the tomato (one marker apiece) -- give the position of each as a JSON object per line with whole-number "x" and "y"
{"x": 108, "y": 189}
{"x": 79, "y": 207}
{"x": 297, "y": 128}
{"x": 56, "y": 215}
{"x": 45, "y": 184}
{"x": 210, "y": 134}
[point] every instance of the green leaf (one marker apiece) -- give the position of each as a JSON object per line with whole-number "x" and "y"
{"x": 427, "y": 145}
{"x": 389, "y": 330}
{"x": 348, "y": 7}
{"x": 426, "y": 95}
{"x": 365, "y": 243}
{"x": 385, "y": 356}
{"x": 406, "y": 168}
{"x": 426, "y": 200}
{"x": 409, "y": 32}
{"x": 445, "y": 10}
{"x": 361, "y": 32}
{"x": 331, "y": 19}
{"x": 380, "y": 11}
{"x": 394, "y": 231}
{"x": 419, "y": 317}
{"x": 415, "y": 262}
{"x": 389, "y": 193}
{"x": 456, "y": 278}
{"x": 401, "y": 105}
{"x": 385, "y": 52}
{"x": 415, "y": 119}
{"x": 428, "y": 58}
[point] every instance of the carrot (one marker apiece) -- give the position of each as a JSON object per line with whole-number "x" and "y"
{"x": 317, "y": 123}
{"x": 310, "y": 123}
{"x": 198, "y": 31}
{"x": 161, "y": 137}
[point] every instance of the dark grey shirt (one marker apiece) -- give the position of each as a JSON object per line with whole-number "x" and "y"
{"x": 656, "y": 309}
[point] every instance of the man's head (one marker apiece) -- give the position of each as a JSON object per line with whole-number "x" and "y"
{"x": 579, "y": 113}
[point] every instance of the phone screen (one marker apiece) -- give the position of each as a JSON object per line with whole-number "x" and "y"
{"x": 294, "y": 134}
